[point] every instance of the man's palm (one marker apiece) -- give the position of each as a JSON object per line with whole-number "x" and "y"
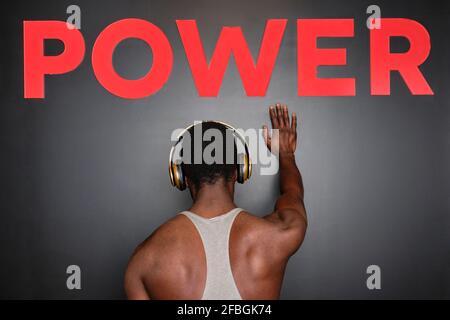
{"x": 284, "y": 137}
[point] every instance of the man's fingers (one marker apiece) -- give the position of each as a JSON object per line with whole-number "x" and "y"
{"x": 266, "y": 136}
{"x": 280, "y": 115}
{"x": 294, "y": 122}
{"x": 273, "y": 117}
{"x": 285, "y": 116}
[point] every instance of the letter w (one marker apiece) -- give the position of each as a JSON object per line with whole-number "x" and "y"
{"x": 208, "y": 78}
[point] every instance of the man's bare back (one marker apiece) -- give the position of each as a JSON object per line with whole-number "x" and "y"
{"x": 171, "y": 263}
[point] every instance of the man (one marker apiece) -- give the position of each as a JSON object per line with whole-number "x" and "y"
{"x": 216, "y": 250}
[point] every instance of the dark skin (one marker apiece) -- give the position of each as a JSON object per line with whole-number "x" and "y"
{"x": 171, "y": 263}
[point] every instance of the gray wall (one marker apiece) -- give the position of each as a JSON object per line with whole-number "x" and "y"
{"x": 84, "y": 173}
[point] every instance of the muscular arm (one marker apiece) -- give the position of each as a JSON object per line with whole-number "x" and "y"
{"x": 289, "y": 214}
{"x": 289, "y": 207}
{"x": 134, "y": 286}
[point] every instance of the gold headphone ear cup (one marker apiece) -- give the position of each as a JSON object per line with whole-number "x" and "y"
{"x": 175, "y": 175}
{"x": 247, "y": 167}
{"x": 171, "y": 176}
{"x": 181, "y": 178}
{"x": 178, "y": 177}
{"x": 240, "y": 168}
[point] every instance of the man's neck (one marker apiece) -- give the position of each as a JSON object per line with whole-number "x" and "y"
{"x": 213, "y": 200}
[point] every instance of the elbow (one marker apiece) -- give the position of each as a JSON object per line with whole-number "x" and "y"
{"x": 299, "y": 226}
{"x": 297, "y": 235}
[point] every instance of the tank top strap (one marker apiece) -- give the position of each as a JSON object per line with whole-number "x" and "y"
{"x": 215, "y": 236}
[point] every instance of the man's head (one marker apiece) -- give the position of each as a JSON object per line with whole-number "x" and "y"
{"x": 209, "y": 154}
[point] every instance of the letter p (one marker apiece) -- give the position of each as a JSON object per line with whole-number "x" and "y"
{"x": 37, "y": 65}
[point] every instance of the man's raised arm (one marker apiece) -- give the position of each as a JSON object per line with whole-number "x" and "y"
{"x": 289, "y": 214}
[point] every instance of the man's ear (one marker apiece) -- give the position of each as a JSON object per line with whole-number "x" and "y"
{"x": 186, "y": 180}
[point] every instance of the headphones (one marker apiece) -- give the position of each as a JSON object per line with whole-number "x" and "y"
{"x": 244, "y": 165}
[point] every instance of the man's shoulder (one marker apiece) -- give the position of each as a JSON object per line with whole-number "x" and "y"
{"x": 253, "y": 226}
{"x": 262, "y": 234}
{"x": 170, "y": 233}
{"x": 161, "y": 252}
{"x": 253, "y": 221}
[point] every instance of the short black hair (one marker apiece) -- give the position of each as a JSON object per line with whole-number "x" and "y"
{"x": 201, "y": 172}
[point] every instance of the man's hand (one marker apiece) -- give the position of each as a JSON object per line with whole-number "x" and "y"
{"x": 284, "y": 139}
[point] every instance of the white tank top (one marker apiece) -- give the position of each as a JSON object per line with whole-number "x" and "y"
{"x": 215, "y": 235}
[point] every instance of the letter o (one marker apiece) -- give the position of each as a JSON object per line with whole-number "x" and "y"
{"x": 102, "y": 58}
